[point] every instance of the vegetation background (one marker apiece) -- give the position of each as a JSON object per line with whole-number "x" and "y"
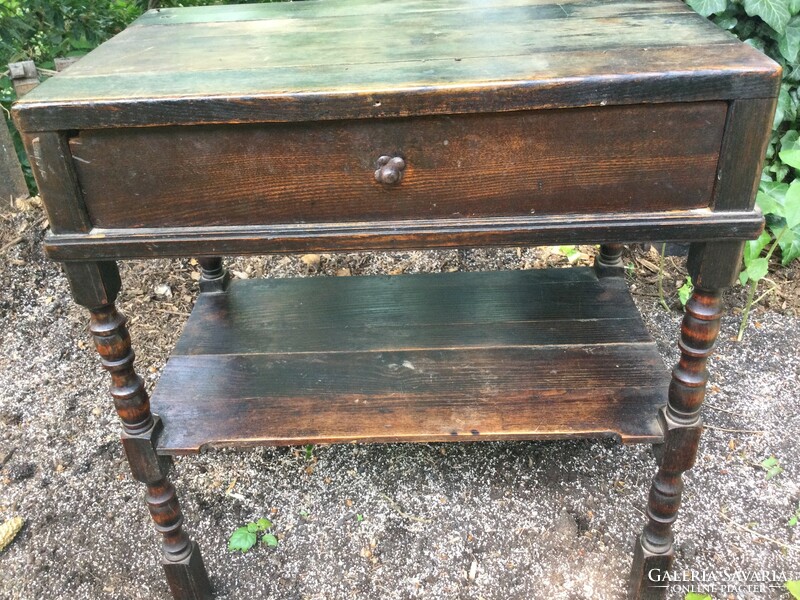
{"x": 42, "y": 30}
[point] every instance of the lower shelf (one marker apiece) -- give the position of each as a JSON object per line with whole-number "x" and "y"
{"x": 540, "y": 354}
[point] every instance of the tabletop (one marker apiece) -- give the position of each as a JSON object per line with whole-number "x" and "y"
{"x": 319, "y": 59}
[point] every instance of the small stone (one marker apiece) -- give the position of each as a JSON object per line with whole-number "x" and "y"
{"x": 163, "y": 291}
{"x": 566, "y": 525}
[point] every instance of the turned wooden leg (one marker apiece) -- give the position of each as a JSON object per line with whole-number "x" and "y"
{"x": 609, "y": 262}
{"x": 712, "y": 266}
{"x": 681, "y": 423}
{"x": 95, "y": 285}
{"x": 214, "y": 275}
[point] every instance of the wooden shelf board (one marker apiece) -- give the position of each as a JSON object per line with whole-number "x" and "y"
{"x": 543, "y": 354}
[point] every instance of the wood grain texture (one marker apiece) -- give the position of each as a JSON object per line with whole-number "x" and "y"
{"x": 697, "y": 224}
{"x": 612, "y": 159}
{"x": 747, "y": 133}
{"x": 197, "y": 65}
{"x": 54, "y": 171}
{"x": 514, "y": 355}
{"x": 382, "y": 313}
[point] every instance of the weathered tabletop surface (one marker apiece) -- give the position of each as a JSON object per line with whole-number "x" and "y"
{"x": 370, "y": 58}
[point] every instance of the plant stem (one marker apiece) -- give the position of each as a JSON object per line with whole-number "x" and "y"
{"x": 661, "y": 278}
{"x": 751, "y": 292}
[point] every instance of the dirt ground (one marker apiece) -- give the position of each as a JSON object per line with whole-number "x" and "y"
{"x": 392, "y": 522}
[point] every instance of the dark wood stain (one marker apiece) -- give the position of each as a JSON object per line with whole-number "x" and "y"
{"x": 242, "y": 65}
{"x": 259, "y": 128}
{"x": 412, "y": 358}
{"x": 419, "y": 233}
{"x": 541, "y": 162}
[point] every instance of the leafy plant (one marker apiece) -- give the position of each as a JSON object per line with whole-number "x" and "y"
{"x": 571, "y": 252}
{"x": 244, "y": 538}
{"x": 685, "y": 291}
{"x": 794, "y": 588}
{"x": 697, "y": 596}
{"x": 756, "y": 268}
{"x": 772, "y": 467}
{"x": 772, "y": 26}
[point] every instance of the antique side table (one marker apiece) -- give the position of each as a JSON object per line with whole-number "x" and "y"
{"x": 406, "y": 124}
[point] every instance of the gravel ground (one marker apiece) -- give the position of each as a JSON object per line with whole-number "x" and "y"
{"x": 483, "y": 520}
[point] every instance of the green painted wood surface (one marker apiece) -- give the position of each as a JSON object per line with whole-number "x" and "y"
{"x": 273, "y": 53}
{"x": 535, "y": 354}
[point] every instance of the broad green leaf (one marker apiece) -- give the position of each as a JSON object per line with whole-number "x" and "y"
{"x": 685, "y": 291}
{"x": 263, "y": 524}
{"x": 252, "y": 527}
{"x": 793, "y": 521}
{"x": 697, "y": 596}
{"x": 783, "y": 108}
{"x": 757, "y": 269}
{"x": 571, "y": 252}
{"x": 270, "y": 540}
{"x": 791, "y": 205}
{"x": 774, "y": 472}
{"x": 789, "y": 243}
{"x": 771, "y": 197}
{"x": 753, "y": 248}
{"x": 774, "y": 13}
{"x": 789, "y": 42}
{"x": 708, "y": 7}
{"x": 726, "y": 21}
{"x": 242, "y": 540}
{"x": 781, "y": 170}
{"x": 794, "y": 6}
{"x": 756, "y": 43}
{"x": 770, "y": 462}
{"x": 794, "y": 588}
{"x": 790, "y": 149}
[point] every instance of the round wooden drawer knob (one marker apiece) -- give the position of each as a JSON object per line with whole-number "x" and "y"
{"x": 390, "y": 170}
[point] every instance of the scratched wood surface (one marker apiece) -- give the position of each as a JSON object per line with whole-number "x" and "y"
{"x": 602, "y": 160}
{"x": 536, "y": 354}
{"x": 281, "y": 61}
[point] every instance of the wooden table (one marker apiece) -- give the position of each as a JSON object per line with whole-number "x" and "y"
{"x": 323, "y": 126}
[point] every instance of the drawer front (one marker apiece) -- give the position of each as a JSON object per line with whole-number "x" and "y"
{"x": 644, "y": 158}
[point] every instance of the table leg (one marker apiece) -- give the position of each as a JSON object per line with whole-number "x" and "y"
{"x": 214, "y": 276}
{"x": 713, "y": 267}
{"x": 95, "y": 286}
{"x": 608, "y": 262}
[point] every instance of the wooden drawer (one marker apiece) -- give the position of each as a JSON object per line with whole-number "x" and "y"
{"x": 588, "y": 160}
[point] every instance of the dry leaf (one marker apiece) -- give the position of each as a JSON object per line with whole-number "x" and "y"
{"x": 9, "y": 530}
{"x": 310, "y": 260}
